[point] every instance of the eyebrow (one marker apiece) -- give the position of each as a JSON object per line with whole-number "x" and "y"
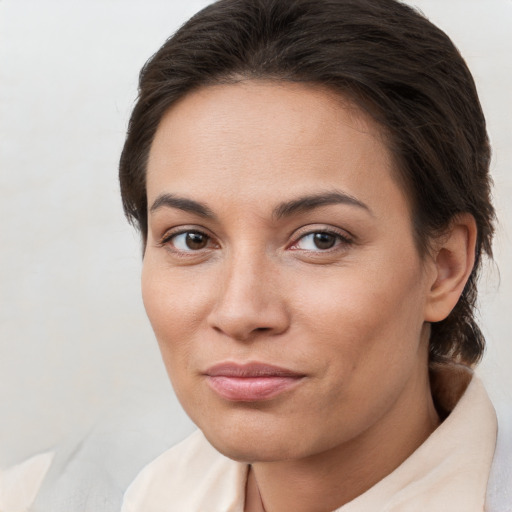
{"x": 310, "y": 202}
{"x": 286, "y": 209}
{"x": 181, "y": 203}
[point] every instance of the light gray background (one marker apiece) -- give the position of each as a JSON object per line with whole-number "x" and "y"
{"x": 76, "y": 352}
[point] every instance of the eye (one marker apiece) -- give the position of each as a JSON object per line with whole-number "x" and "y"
{"x": 188, "y": 241}
{"x": 320, "y": 241}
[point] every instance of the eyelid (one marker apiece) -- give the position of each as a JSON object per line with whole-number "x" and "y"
{"x": 344, "y": 236}
{"x": 169, "y": 234}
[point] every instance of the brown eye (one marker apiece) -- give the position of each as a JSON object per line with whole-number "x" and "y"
{"x": 324, "y": 240}
{"x": 190, "y": 241}
{"x": 318, "y": 241}
{"x": 196, "y": 241}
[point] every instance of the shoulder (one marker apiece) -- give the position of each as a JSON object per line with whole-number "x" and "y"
{"x": 499, "y": 488}
{"x": 20, "y": 484}
{"x": 191, "y": 476}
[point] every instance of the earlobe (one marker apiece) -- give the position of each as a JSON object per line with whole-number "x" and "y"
{"x": 453, "y": 261}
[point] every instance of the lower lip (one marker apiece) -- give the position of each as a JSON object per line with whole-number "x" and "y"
{"x": 251, "y": 389}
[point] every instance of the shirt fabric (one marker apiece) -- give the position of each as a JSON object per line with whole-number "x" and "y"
{"x": 20, "y": 484}
{"x": 448, "y": 473}
{"x": 88, "y": 475}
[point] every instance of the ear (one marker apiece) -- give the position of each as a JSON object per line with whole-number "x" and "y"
{"x": 453, "y": 261}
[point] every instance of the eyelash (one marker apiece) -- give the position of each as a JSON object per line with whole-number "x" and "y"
{"x": 342, "y": 240}
{"x": 167, "y": 238}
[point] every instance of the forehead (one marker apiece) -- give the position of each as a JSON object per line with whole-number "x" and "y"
{"x": 276, "y": 138}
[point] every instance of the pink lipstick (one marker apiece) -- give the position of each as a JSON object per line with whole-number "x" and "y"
{"x": 250, "y": 382}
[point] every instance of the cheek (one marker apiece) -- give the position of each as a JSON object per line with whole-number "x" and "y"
{"x": 362, "y": 319}
{"x": 366, "y": 339}
{"x": 174, "y": 297}
{"x": 175, "y": 303}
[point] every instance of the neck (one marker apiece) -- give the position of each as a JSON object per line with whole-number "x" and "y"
{"x": 326, "y": 481}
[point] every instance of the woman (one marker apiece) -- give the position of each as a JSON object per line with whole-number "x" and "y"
{"x": 310, "y": 179}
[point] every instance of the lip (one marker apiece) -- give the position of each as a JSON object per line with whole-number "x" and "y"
{"x": 250, "y": 382}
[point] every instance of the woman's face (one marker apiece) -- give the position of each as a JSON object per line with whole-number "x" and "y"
{"x": 281, "y": 276}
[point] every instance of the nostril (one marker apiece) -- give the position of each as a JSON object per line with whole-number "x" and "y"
{"x": 244, "y": 317}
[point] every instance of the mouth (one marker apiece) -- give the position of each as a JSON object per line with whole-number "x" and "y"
{"x": 250, "y": 382}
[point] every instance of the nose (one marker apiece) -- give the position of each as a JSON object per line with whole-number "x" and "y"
{"x": 249, "y": 301}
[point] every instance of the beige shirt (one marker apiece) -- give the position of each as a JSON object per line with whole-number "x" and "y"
{"x": 447, "y": 473}
{"x": 19, "y": 484}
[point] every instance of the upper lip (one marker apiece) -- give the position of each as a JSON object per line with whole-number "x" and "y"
{"x": 252, "y": 369}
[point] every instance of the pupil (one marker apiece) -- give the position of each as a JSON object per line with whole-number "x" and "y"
{"x": 196, "y": 241}
{"x": 324, "y": 240}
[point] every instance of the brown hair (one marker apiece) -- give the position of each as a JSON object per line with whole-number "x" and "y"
{"x": 387, "y": 57}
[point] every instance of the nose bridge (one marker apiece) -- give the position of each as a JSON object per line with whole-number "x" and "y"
{"x": 248, "y": 298}
{"x": 243, "y": 270}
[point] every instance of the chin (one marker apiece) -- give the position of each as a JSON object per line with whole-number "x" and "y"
{"x": 256, "y": 441}
{"x": 248, "y": 451}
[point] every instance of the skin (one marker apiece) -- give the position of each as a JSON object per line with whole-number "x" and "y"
{"x": 353, "y": 319}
